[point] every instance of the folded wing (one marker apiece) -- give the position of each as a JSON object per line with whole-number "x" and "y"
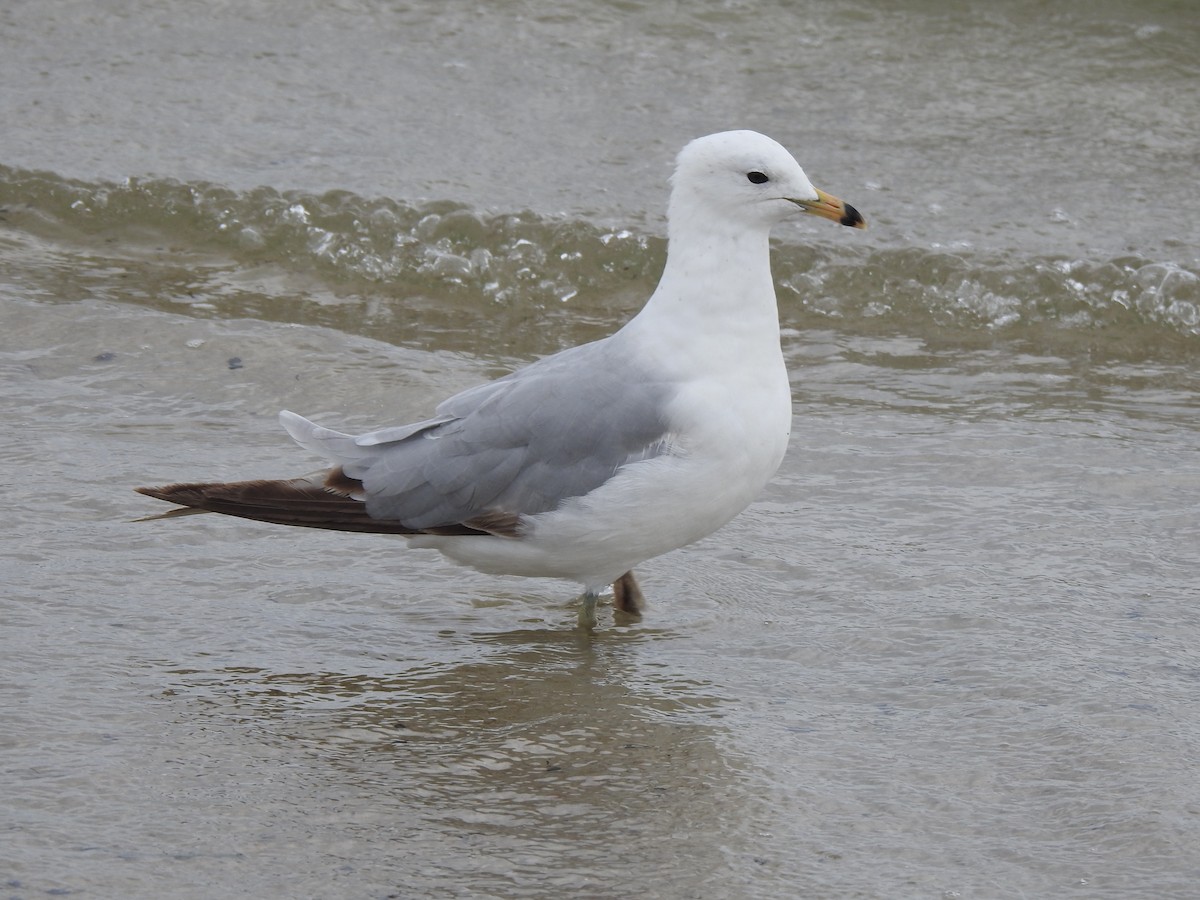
{"x": 490, "y": 456}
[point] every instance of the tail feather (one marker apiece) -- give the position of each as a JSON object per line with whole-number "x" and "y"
{"x": 310, "y": 502}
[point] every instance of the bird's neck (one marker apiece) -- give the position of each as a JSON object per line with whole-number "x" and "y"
{"x": 718, "y": 275}
{"x": 716, "y": 300}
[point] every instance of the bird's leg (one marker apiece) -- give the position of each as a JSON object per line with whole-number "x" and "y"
{"x": 628, "y": 596}
{"x": 587, "y": 610}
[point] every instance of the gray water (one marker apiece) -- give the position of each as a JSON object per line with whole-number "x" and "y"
{"x": 951, "y": 652}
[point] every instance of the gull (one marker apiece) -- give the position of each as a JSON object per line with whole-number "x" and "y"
{"x": 585, "y": 464}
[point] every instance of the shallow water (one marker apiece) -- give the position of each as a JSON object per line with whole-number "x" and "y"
{"x": 949, "y": 653}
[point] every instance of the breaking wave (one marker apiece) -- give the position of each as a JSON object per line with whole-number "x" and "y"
{"x": 358, "y": 247}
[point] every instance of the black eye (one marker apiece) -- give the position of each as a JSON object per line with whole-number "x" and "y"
{"x": 757, "y": 177}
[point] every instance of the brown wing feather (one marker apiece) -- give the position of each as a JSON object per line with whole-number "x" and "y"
{"x": 307, "y": 502}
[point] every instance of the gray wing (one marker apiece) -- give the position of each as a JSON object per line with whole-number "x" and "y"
{"x": 520, "y": 445}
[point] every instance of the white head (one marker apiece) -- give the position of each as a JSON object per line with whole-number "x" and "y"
{"x": 749, "y": 180}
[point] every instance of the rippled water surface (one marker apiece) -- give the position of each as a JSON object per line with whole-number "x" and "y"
{"x": 951, "y": 652}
